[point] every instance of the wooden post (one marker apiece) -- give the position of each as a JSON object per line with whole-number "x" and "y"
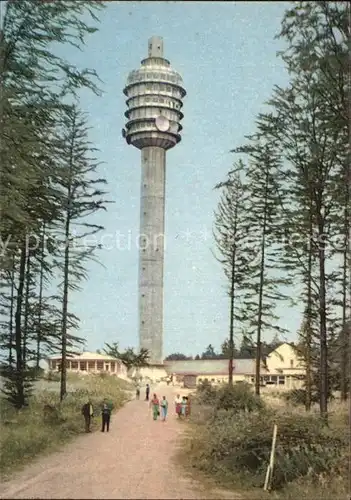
{"x": 269, "y": 473}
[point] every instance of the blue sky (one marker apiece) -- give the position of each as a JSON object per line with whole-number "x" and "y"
{"x": 226, "y": 53}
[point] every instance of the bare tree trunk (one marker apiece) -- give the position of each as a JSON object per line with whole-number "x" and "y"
{"x": 345, "y": 283}
{"x": 308, "y": 333}
{"x": 26, "y": 310}
{"x": 323, "y": 401}
{"x": 40, "y": 301}
{"x": 12, "y": 298}
{"x": 232, "y": 300}
{"x": 18, "y": 330}
{"x": 63, "y": 388}
{"x": 260, "y": 296}
{"x": 231, "y": 319}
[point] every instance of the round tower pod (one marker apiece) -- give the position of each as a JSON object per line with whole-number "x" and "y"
{"x": 154, "y": 99}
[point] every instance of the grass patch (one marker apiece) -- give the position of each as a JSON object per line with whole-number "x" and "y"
{"x": 230, "y": 437}
{"x": 31, "y": 431}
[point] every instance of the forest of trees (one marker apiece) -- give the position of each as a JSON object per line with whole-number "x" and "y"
{"x": 49, "y": 185}
{"x": 281, "y": 227}
{"x": 283, "y": 221}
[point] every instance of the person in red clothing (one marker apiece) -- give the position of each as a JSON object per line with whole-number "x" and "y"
{"x": 178, "y": 405}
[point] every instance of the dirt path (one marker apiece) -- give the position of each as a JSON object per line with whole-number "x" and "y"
{"x": 133, "y": 461}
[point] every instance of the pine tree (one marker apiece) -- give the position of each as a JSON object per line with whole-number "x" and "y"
{"x": 34, "y": 87}
{"x": 262, "y": 176}
{"x": 308, "y": 126}
{"x": 82, "y": 196}
{"x": 230, "y": 238}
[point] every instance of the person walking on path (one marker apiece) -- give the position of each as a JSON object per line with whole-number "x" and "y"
{"x": 183, "y": 406}
{"x": 137, "y": 393}
{"x": 88, "y": 413}
{"x": 155, "y": 405}
{"x": 147, "y": 392}
{"x": 178, "y": 405}
{"x": 106, "y": 415}
{"x": 187, "y": 409}
{"x": 164, "y": 408}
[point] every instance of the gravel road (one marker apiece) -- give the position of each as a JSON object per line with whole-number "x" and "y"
{"x": 134, "y": 460}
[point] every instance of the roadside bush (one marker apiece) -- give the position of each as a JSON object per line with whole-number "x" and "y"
{"x": 206, "y": 394}
{"x": 51, "y": 376}
{"x": 238, "y": 398}
{"x": 298, "y": 397}
{"x": 46, "y": 423}
{"x": 234, "y": 445}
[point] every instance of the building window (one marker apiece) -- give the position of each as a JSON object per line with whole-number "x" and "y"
{"x": 274, "y": 378}
{"x": 53, "y": 365}
{"x": 74, "y": 365}
{"x": 91, "y": 365}
{"x": 169, "y": 88}
{"x": 291, "y": 363}
{"x": 281, "y": 380}
{"x": 83, "y": 366}
{"x": 113, "y": 366}
{"x": 100, "y": 365}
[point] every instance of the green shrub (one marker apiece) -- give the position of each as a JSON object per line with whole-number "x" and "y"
{"x": 233, "y": 445}
{"x": 206, "y": 394}
{"x": 298, "y": 397}
{"x": 238, "y": 398}
{"x": 52, "y": 376}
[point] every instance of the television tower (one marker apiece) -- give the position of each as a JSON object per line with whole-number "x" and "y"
{"x": 154, "y": 100}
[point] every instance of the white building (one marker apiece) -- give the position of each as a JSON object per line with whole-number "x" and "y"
{"x": 89, "y": 362}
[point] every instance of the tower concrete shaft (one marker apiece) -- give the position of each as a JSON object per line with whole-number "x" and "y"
{"x": 154, "y": 100}
{"x": 152, "y": 216}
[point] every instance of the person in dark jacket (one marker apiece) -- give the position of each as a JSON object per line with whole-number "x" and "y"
{"x": 147, "y": 392}
{"x": 106, "y": 411}
{"x": 88, "y": 413}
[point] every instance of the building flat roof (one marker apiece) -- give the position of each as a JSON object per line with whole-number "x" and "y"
{"x": 211, "y": 367}
{"x": 85, "y": 356}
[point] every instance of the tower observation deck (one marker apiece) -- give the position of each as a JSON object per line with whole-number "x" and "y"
{"x": 154, "y": 101}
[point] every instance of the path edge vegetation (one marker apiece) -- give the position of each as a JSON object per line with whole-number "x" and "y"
{"x": 227, "y": 443}
{"x": 292, "y": 178}
{"x": 48, "y": 424}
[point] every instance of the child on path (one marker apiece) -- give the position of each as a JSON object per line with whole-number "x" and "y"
{"x": 164, "y": 408}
